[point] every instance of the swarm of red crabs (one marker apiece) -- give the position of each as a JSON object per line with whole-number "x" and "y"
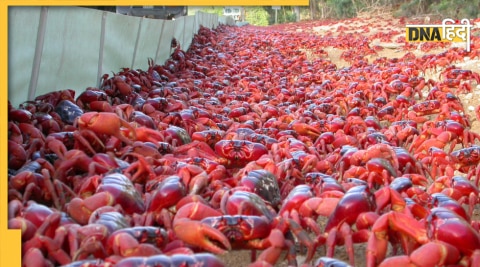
{"x": 244, "y": 143}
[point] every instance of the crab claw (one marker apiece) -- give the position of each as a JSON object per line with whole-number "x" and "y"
{"x": 201, "y": 235}
{"x": 106, "y": 123}
{"x": 305, "y": 129}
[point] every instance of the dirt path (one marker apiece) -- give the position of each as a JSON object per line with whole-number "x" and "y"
{"x": 393, "y": 49}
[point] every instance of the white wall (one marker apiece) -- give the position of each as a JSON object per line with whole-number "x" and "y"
{"x": 57, "y": 48}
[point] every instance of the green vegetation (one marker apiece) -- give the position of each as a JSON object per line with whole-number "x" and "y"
{"x": 340, "y": 9}
{"x": 212, "y": 9}
{"x": 284, "y": 15}
{"x": 257, "y": 15}
{"x": 455, "y": 9}
{"x": 439, "y": 9}
{"x": 436, "y": 9}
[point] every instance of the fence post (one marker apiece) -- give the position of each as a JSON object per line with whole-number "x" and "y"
{"x": 37, "y": 59}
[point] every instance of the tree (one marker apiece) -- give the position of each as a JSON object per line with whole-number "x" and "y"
{"x": 256, "y": 15}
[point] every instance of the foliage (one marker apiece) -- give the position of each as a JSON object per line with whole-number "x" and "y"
{"x": 410, "y": 8}
{"x": 284, "y": 15}
{"x": 256, "y": 15}
{"x": 213, "y": 9}
{"x": 339, "y": 9}
{"x": 455, "y": 9}
{"x": 304, "y": 12}
{"x": 368, "y": 5}
{"x": 439, "y": 9}
{"x": 342, "y": 8}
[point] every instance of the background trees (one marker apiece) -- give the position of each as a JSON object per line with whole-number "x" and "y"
{"x": 340, "y": 9}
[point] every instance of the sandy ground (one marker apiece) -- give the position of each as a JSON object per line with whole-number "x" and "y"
{"x": 392, "y": 49}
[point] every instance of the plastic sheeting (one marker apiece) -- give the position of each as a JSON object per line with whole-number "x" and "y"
{"x": 57, "y": 48}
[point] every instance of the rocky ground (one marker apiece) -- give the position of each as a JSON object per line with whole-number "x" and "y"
{"x": 369, "y": 26}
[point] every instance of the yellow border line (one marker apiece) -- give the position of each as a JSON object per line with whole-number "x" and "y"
{"x": 164, "y": 2}
{"x": 10, "y": 240}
